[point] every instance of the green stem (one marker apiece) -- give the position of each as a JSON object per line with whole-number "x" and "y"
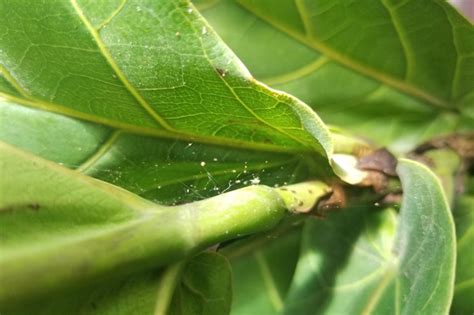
{"x": 153, "y": 240}
{"x": 145, "y": 236}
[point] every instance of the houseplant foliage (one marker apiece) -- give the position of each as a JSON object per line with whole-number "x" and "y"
{"x": 145, "y": 170}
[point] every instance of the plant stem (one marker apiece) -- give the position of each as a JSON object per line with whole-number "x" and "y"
{"x": 148, "y": 235}
{"x": 153, "y": 240}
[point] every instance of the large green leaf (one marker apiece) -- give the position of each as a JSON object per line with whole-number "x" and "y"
{"x": 448, "y": 167}
{"x": 133, "y": 78}
{"x": 200, "y": 286}
{"x": 463, "y": 303}
{"x": 375, "y": 266}
{"x": 99, "y": 100}
{"x": 400, "y": 70}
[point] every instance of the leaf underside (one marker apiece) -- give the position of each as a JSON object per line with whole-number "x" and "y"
{"x": 134, "y": 84}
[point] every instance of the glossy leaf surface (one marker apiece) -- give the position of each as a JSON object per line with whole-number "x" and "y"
{"x": 383, "y": 264}
{"x": 400, "y": 70}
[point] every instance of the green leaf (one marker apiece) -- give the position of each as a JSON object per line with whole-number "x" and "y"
{"x": 382, "y": 263}
{"x": 78, "y": 230}
{"x": 162, "y": 166}
{"x": 162, "y": 170}
{"x": 262, "y": 270}
{"x": 128, "y": 79}
{"x": 464, "y": 288}
{"x": 142, "y": 293}
{"x": 401, "y": 70}
{"x": 205, "y": 287}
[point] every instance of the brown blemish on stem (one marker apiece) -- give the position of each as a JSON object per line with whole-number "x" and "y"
{"x": 32, "y": 206}
{"x": 334, "y": 200}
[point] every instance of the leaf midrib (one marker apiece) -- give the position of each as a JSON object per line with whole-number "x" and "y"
{"x": 147, "y": 131}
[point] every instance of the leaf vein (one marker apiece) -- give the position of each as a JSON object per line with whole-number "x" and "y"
{"x": 133, "y": 129}
{"x": 230, "y": 88}
{"x": 300, "y": 7}
{"x": 269, "y": 282}
{"x": 103, "y": 149}
{"x": 457, "y": 68}
{"x": 298, "y": 73}
{"x": 360, "y": 68}
{"x": 114, "y": 14}
{"x": 7, "y": 75}
{"x": 402, "y": 39}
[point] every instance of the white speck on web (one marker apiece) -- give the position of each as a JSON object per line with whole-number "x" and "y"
{"x": 255, "y": 181}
